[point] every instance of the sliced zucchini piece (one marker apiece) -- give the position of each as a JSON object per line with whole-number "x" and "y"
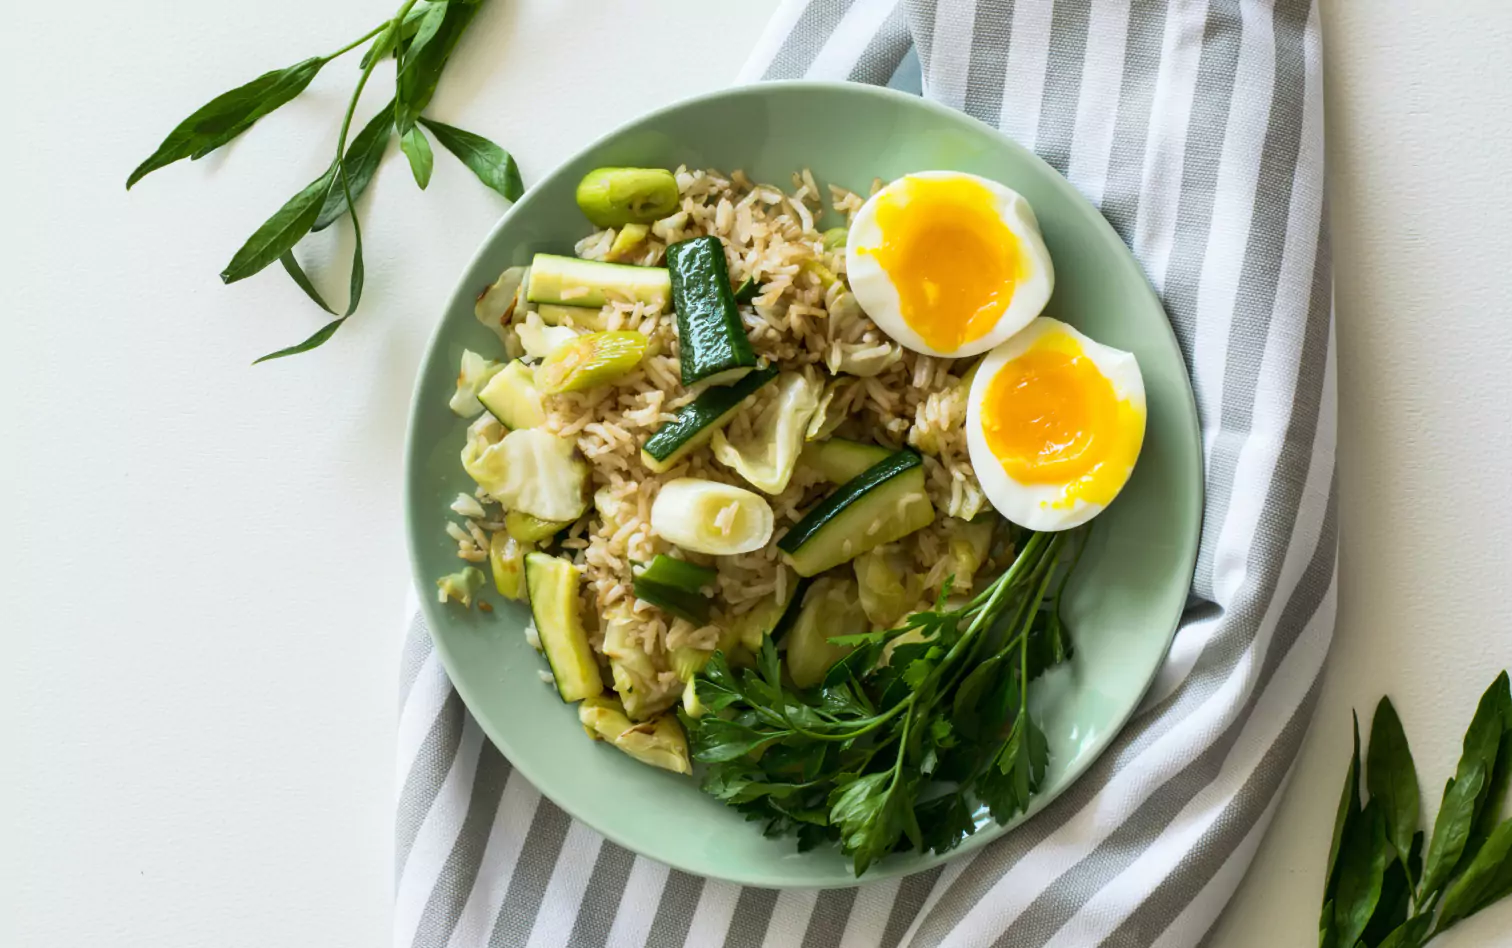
{"x": 697, "y": 421}
{"x": 506, "y": 558}
{"x": 748, "y": 290}
{"x": 768, "y": 617}
{"x": 673, "y": 601}
{"x": 589, "y": 360}
{"x": 583, "y": 317}
{"x": 830, "y": 607}
{"x": 572, "y": 282}
{"x": 627, "y": 242}
{"x": 512, "y": 397}
{"x": 679, "y": 574}
{"x": 610, "y": 197}
{"x": 885, "y": 502}
{"x": 712, "y": 342}
{"x": 709, "y": 517}
{"x": 554, "y": 603}
{"x": 531, "y": 529}
{"x": 838, "y": 460}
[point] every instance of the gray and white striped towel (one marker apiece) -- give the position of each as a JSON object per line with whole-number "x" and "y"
{"x": 1197, "y": 127}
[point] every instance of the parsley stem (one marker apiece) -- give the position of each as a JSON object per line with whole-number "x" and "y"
{"x": 871, "y": 723}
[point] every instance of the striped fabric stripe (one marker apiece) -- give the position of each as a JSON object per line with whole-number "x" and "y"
{"x": 1196, "y": 126}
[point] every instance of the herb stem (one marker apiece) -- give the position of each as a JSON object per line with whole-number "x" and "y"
{"x": 360, "y": 40}
{"x": 871, "y": 723}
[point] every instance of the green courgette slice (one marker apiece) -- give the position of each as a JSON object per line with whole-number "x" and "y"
{"x": 885, "y": 502}
{"x": 697, "y": 421}
{"x": 712, "y": 342}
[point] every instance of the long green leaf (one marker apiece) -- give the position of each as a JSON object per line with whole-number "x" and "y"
{"x": 279, "y": 233}
{"x": 363, "y": 157}
{"x": 1469, "y": 892}
{"x": 1392, "y": 779}
{"x": 315, "y": 341}
{"x": 228, "y": 115}
{"x": 1346, "y": 814}
{"x": 493, "y": 165}
{"x": 1451, "y": 829}
{"x": 422, "y": 63}
{"x": 302, "y": 280}
{"x": 417, "y": 149}
{"x": 1362, "y": 869}
{"x": 1499, "y": 774}
{"x": 1410, "y": 934}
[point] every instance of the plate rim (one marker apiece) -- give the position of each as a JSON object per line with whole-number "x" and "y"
{"x": 463, "y": 294}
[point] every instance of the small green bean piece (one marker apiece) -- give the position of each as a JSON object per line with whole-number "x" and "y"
{"x": 613, "y": 197}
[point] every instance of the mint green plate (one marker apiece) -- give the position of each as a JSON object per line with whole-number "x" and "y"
{"x": 1132, "y": 583}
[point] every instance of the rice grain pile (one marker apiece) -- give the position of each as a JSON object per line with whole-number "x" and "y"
{"x": 804, "y": 320}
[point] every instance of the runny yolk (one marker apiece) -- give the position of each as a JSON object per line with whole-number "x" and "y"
{"x": 951, "y": 258}
{"x": 1050, "y": 416}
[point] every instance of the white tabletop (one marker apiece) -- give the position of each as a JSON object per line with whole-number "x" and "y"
{"x": 204, "y": 567}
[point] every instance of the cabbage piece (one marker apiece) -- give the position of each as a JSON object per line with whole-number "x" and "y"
{"x": 539, "y": 339}
{"x": 637, "y": 680}
{"x": 472, "y": 374}
{"x": 887, "y": 586}
{"x": 496, "y": 305}
{"x": 968, "y": 549}
{"x": 826, "y": 417}
{"x": 461, "y": 586}
{"x": 530, "y": 470}
{"x": 862, "y": 360}
{"x": 766, "y": 457}
{"x": 659, "y": 742}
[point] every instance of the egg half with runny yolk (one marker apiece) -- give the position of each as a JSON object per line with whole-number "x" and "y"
{"x": 948, "y": 264}
{"x": 1054, "y": 423}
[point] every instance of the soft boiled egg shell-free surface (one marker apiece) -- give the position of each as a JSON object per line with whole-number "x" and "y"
{"x": 948, "y": 264}
{"x": 1070, "y": 390}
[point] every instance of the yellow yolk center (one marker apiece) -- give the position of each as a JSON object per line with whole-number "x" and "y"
{"x": 1051, "y": 417}
{"x": 951, "y": 258}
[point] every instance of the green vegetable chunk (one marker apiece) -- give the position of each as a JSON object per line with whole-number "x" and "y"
{"x": 882, "y": 504}
{"x": 611, "y": 197}
{"x": 592, "y": 359}
{"x": 713, "y": 346}
{"x": 679, "y": 574}
{"x": 554, "y": 604}
{"x": 835, "y": 238}
{"x": 697, "y": 421}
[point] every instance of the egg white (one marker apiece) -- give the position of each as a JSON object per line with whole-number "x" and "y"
{"x": 875, "y": 292}
{"x": 1033, "y": 506}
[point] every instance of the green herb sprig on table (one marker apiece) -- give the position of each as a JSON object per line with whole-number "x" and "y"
{"x": 420, "y": 37}
{"x": 907, "y": 733}
{"x": 1390, "y": 886}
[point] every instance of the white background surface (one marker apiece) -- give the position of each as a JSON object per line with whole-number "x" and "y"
{"x": 203, "y": 565}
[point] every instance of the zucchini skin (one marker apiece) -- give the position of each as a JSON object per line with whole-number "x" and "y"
{"x": 852, "y": 491}
{"x": 711, "y": 338}
{"x": 672, "y": 600}
{"x": 699, "y": 417}
{"x": 664, "y": 570}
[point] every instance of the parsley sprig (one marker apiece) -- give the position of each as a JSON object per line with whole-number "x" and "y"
{"x": 909, "y": 735}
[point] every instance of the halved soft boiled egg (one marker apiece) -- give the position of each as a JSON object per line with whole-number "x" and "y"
{"x": 948, "y": 264}
{"x": 1054, "y": 423}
